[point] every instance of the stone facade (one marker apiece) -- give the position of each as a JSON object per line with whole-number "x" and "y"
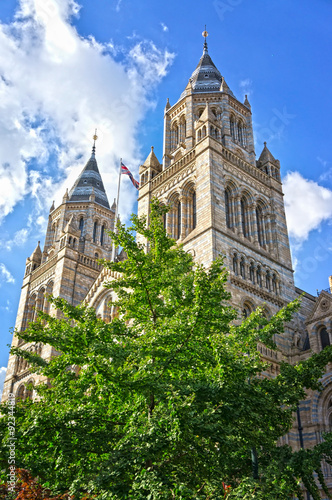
{"x": 67, "y": 267}
{"x": 222, "y": 202}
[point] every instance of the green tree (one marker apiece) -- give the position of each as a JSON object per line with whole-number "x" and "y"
{"x": 167, "y": 400}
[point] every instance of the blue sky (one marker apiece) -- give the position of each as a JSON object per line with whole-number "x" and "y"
{"x": 67, "y": 67}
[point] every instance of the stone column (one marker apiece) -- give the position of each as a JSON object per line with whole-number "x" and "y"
{"x": 268, "y": 229}
{"x": 263, "y": 275}
{"x": 254, "y": 225}
{"x": 183, "y": 201}
{"x": 329, "y": 331}
{"x": 238, "y": 215}
{"x": 169, "y": 222}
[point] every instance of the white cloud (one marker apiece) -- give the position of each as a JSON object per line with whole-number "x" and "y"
{"x": 55, "y": 88}
{"x": 164, "y": 27}
{"x": 118, "y": 5}
{"x": 246, "y": 86}
{"x": 5, "y": 274}
{"x": 2, "y": 379}
{"x": 19, "y": 239}
{"x": 6, "y": 307}
{"x": 307, "y": 205}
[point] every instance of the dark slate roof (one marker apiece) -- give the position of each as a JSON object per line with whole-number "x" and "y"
{"x": 89, "y": 183}
{"x": 206, "y": 77}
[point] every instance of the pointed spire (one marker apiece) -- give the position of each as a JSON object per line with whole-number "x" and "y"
{"x": 266, "y": 156}
{"x": 52, "y": 207}
{"x": 207, "y": 114}
{"x": 65, "y": 196}
{"x": 206, "y": 77}
{"x": 152, "y": 160}
{"x": 167, "y": 104}
{"x": 89, "y": 183}
{"x": 246, "y": 102}
{"x": 36, "y": 254}
{"x": 71, "y": 227}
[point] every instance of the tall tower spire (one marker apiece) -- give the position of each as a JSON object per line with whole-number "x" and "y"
{"x": 89, "y": 180}
{"x": 205, "y": 34}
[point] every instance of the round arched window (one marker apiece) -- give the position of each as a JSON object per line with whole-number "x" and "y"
{"x": 247, "y": 309}
{"x": 324, "y": 337}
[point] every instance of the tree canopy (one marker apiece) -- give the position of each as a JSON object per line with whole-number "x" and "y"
{"x": 169, "y": 399}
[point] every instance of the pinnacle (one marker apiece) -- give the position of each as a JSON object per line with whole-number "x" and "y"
{"x": 88, "y": 183}
{"x": 266, "y": 155}
{"x": 37, "y": 253}
{"x": 152, "y": 160}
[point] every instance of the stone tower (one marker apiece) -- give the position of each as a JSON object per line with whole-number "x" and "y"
{"x": 223, "y": 201}
{"x": 67, "y": 267}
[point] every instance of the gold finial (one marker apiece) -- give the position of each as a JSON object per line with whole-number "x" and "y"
{"x": 205, "y": 34}
{"x": 95, "y": 137}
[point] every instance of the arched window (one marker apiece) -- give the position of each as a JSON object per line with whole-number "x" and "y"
{"x": 29, "y": 390}
{"x": 244, "y": 217}
{"x": 204, "y": 131}
{"x": 268, "y": 281}
{"x": 81, "y": 226}
{"x": 20, "y": 393}
{"x": 242, "y": 268}
{"x": 232, "y": 126}
{"x": 95, "y": 226}
{"x": 102, "y": 234}
{"x": 179, "y": 220}
{"x": 193, "y": 201}
{"x": 235, "y": 264}
{"x": 247, "y": 310}
{"x": 259, "y": 276}
{"x": 252, "y": 272}
{"x": 31, "y": 308}
{"x": 239, "y": 133}
{"x": 107, "y": 309}
{"x": 260, "y": 226}
{"x": 199, "y": 135}
{"x": 324, "y": 337}
{"x": 49, "y": 290}
{"x": 175, "y": 136}
{"x": 183, "y": 131}
{"x": 274, "y": 284}
{"x": 244, "y": 136}
{"x": 41, "y": 299}
{"x": 228, "y": 208}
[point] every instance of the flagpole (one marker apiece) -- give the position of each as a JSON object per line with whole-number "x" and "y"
{"x": 116, "y": 213}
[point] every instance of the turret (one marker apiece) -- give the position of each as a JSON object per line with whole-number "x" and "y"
{"x": 34, "y": 260}
{"x": 268, "y": 164}
{"x": 150, "y": 168}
